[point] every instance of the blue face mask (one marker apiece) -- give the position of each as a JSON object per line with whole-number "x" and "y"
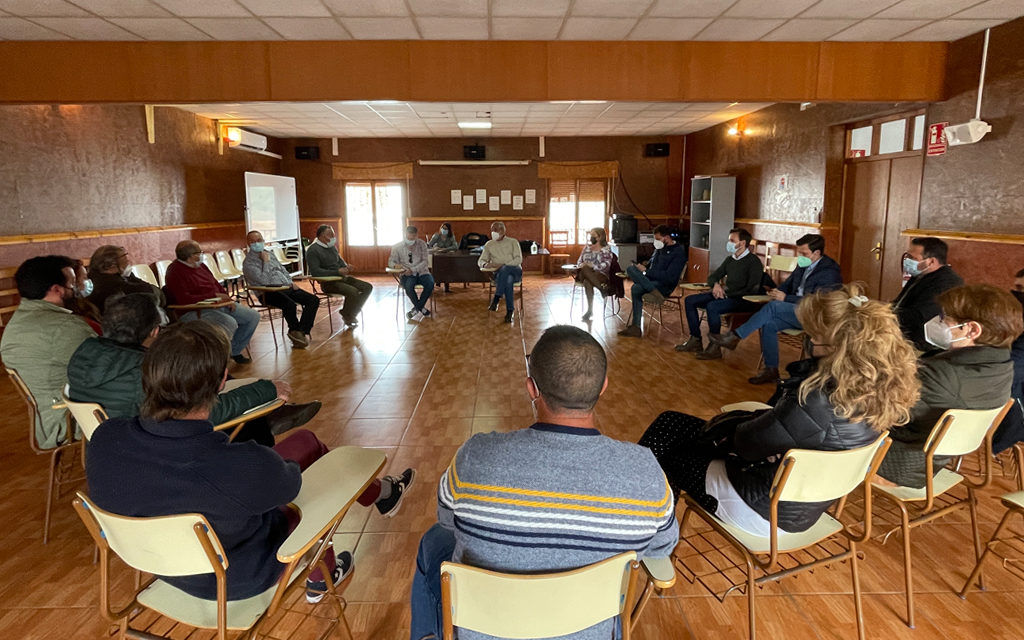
{"x": 333, "y": 241}
{"x": 85, "y": 289}
{"x": 444, "y": 232}
{"x": 730, "y": 246}
{"x": 409, "y": 243}
{"x": 911, "y": 266}
{"x": 256, "y": 246}
{"x": 803, "y": 261}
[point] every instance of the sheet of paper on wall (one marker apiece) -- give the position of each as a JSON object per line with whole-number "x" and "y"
{"x": 506, "y": 196}
{"x": 456, "y": 196}
{"x": 481, "y": 196}
{"x": 495, "y": 203}
{"x": 531, "y": 196}
{"x": 517, "y": 203}
{"x": 467, "y": 203}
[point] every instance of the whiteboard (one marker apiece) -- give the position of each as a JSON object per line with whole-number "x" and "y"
{"x": 270, "y": 206}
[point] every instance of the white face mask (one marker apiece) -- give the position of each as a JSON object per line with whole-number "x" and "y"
{"x": 940, "y": 334}
{"x": 658, "y": 245}
{"x": 495, "y": 235}
{"x": 333, "y": 241}
{"x": 409, "y": 243}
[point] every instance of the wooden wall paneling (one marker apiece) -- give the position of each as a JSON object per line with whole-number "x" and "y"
{"x": 446, "y": 71}
{"x": 749, "y": 71}
{"x": 211, "y": 71}
{"x": 866, "y": 71}
{"x": 364, "y": 70}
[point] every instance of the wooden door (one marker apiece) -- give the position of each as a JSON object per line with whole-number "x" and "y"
{"x": 375, "y": 215}
{"x": 902, "y": 213}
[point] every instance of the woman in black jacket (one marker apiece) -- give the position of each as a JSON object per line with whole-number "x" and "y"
{"x": 864, "y": 383}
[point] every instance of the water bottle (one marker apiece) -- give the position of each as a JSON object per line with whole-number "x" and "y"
{"x": 533, "y": 248}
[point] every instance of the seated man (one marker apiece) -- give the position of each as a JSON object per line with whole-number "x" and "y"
{"x": 108, "y": 371}
{"x": 323, "y": 260}
{"x": 659, "y": 278}
{"x": 262, "y": 269}
{"x": 411, "y": 255}
{"x": 546, "y": 480}
{"x": 41, "y": 336}
{"x": 135, "y": 467}
{"x": 814, "y": 271}
{"x": 188, "y": 281}
{"x": 109, "y": 271}
{"x": 742, "y": 273}
{"x": 930, "y": 276}
{"x": 503, "y": 252}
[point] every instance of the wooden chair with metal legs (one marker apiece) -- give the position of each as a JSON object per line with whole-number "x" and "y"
{"x": 1009, "y": 548}
{"x": 958, "y": 432}
{"x": 544, "y": 605}
{"x": 396, "y": 273}
{"x": 676, "y": 298}
{"x": 803, "y": 476}
{"x": 186, "y": 544}
{"x": 61, "y": 456}
{"x": 256, "y": 302}
{"x": 517, "y": 287}
{"x": 317, "y": 285}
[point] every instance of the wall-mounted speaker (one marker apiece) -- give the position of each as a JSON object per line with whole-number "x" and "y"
{"x": 474, "y": 152}
{"x": 656, "y": 150}
{"x": 307, "y": 153}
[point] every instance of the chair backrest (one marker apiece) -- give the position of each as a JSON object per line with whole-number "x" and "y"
{"x": 212, "y": 266}
{"x": 225, "y": 265}
{"x": 822, "y": 476}
{"x": 281, "y": 256}
{"x": 33, "y": 408}
{"x": 143, "y": 272}
{"x": 558, "y": 238}
{"x": 965, "y": 432}
{"x": 88, "y": 415}
{"x": 538, "y": 606}
{"x": 165, "y": 545}
{"x": 238, "y": 257}
{"x": 161, "y": 272}
{"x": 782, "y": 264}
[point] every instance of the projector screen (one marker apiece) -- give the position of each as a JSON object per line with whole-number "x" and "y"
{"x": 270, "y": 206}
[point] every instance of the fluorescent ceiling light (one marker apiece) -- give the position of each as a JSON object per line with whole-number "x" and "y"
{"x": 475, "y": 125}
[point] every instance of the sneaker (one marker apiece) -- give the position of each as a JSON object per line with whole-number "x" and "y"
{"x": 389, "y": 506}
{"x": 693, "y": 343}
{"x": 632, "y": 331}
{"x": 425, "y": 312}
{"x": 241, "y": 359}
{"x": 412, "y": 314}
{"x": 317, "y": 589}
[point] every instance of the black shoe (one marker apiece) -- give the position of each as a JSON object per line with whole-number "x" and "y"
{"x": 508, "y": 317}
{"x": 632, "y": 331}
{"x": 290, "y": 416}
{"x": 389, "y": 506}
{"x": 693, "y": 344}
{"x": 766, "y": 376}
{"x": 352, "y": 321}
{"x": 241, "y": 359}
{"x": 494, "y": 304}
{"x": 587, "y": 316}
{"x": 712, "y": 352}
{"x": 446, "y": 288}
{"x": 726, "y": 340}
{"x": 317, "y": 589}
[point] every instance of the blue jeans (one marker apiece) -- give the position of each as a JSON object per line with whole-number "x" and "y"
{"x": 715, "y": 307}
{"x": 436, "y": 546}
{"x": 409, "y": 283}
{"x": 505, "y": 280}
{"x": 772, "y": 318}
{"x": 641, "y": 285}
{"x": 239, "y": 324}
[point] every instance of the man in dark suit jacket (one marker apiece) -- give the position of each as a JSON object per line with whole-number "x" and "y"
{"x": 815, "y": 271}
{"x": 930, "y": 276}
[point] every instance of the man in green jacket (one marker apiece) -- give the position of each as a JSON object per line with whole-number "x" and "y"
{"x": 41, "y": 336}
{"x": 108, "y": 371}
{"x": 323, "y": 260}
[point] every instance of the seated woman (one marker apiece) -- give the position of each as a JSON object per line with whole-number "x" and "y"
{"x": 972, "y": 370}
{"x": 443, "y": 240}
{"x": 594, "y": 264}
{"x": 864, "y": 383}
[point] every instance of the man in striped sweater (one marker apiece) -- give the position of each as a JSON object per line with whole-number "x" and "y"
{"x": 555, "y": 496}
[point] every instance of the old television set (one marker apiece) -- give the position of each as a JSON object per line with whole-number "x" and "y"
{"x": 624, "y": 229}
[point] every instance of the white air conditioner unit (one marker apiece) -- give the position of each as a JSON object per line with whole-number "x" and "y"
{"x": 247, "y": 140}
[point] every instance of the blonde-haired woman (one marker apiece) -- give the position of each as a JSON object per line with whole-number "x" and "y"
{"x": 594, "y": 264}
{"x": 864, "y": 383}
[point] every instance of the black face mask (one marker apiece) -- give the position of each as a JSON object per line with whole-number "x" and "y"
{"x": 593, "y": 240}
{"x": 1019, "y": 295}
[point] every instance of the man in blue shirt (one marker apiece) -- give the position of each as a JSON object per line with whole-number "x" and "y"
{"x": 815, "y": 271}
{"x": 657, "y": 280}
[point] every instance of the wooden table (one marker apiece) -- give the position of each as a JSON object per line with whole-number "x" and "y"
{"x": 458, "y": 266}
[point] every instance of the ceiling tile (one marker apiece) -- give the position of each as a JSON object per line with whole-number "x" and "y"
{"x": 204, "y": 8}
{"x": 610, "y": 8}
{"x": 290, "y": 9}
{"x": 948, "y": 30}
{"x": 368, "y": 8}
{"x": 925, "y": 8}
{"x": 814, "y": 29}
{"x": 235, "y": 28}
{"x": 87, "y": 28}
{"x": 530, "y": 8}
{"x": 668, "y": 28}
{"x": 847, "y": 9}
{"x": 19, "y": 29}
{"x": 878, "y": 30}
{"x": 451, "y": 8}
{"x": 689, "y": 8}
{"x": 453, "y": 28}
{"x": 123, "y": 8}
{"x": 161, "y": 28}
{"x": 525, "y": 28}
{"x": 1002, "y": 9}
{"x": 772, "y": 9}
{"x": 737, "y": 29}
{"x": 307, "y": 28}
{"x": 597, "y": 28}
{"x": 33, "y": 8}
{"x": 381, "y": 28}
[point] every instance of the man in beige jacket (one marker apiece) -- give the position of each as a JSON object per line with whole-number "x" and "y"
{"x": 503, "y": 252}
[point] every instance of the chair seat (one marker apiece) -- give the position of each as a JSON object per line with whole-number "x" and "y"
{"x": 1016, "y": 499}
{"x": 792, "y": 332}
{"x": 825, "y": 527}
{"x": 943, "y": 482}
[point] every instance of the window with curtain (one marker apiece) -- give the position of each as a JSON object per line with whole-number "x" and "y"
{"x": 575, "y": 206}
{"x": 374, "y": 213}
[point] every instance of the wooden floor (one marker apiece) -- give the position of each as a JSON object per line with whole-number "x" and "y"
{"x": 418, "y": 390}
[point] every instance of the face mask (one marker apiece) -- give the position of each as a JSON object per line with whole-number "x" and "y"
{"x": 593, "y": 240}
{"x": 730, "y": 246}
{"x": 911, "y": 266}
{"x": 85, "y": 289}
{"x": 940, "y": 334}
{"x": 444, "y": 232}
{"x": 658, "y": 245}
{"x": 409, "y": 243}
{"x": 495, "y": 235}
{"x": 803, "y": 261}
{"x": 333, "y": 241}
{"x": 257, "y": 247}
